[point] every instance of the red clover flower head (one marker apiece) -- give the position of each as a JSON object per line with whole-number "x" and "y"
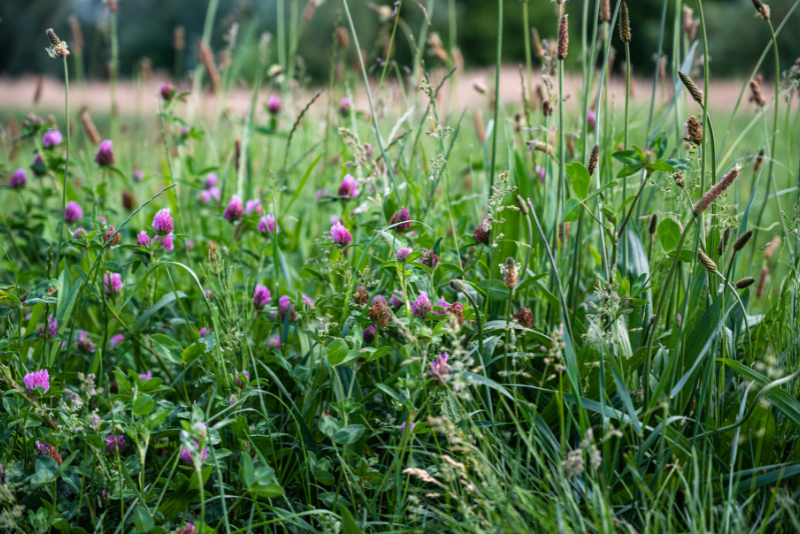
{"x": 267, "y": 224}
{"x": 162, "y": 222}
{"x": 36, "y": 379}
{"x": 348, "y": 187}
{"x": 52, "y": 138}
{"x": 115, "y": 443}
{"x": 261, "y": 297}
{"x": 105, "y": 154}
{"x": 18, "y": 180}
{"x": 234, "y": 211}
{"x": 340, "y": 235}
{"x": 72, "y": 212}
{"x": 422, "y": 306}
{"x": 113, "y": 283}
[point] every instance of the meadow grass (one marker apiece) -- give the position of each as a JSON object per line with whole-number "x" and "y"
{"x": 551, "y": 315}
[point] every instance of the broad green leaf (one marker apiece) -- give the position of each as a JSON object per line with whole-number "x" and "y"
{"x": 348, "y": 435}
{"x": 580, "y": 179}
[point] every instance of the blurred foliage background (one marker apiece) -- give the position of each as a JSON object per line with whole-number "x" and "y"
{"x": 146, "y": 30}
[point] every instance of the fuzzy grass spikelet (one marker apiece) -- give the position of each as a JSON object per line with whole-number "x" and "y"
{"x": 716, "y": 191}
{"x": 707, "y": 262}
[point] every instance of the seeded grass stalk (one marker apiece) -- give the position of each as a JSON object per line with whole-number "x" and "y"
{"x": 528, "y": 91}
{"x": 66, "y": 170}
{"x": 114, "y": 67}
{"x": 587, "y": 87}
{"x": 495, "y": 126}
{"x": 208, "y": 26}
{"x": 658, "y": 60}
{"x": 774, "y": 138}
{"x": 384, "y": 154}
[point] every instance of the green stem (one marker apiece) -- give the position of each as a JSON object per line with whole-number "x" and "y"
{"x": 496, "y": 126}
{"x": 66, "y": 168}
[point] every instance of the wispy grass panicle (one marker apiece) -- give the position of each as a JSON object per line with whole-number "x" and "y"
{"x": 716, "y": 191}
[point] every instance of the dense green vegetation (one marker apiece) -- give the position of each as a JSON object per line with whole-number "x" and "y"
{"x": 398, "y": 317}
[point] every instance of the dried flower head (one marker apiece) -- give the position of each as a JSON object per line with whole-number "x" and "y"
{"x": 694, "y": 131}
{"x": 58, "y": 48}
{"x": 524, "y": 317}
{"x": 755, "y": 93}
{"x": 510, "y": 273}
{"x": 762, "y": 8}
{"x": 605, "y": 10}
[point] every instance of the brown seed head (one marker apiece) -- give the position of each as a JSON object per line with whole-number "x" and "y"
{"x": 456, "y": 310}
{"x": 89, "y": 127}
{"x": 112, "y": 5}
{"x": 361, "y": 295}
{"x": 46, "y": 449}
{"x": 563, "y": 38}
{"x": 762, "y": 8}
{"x": 696, "y": 93}
{"x": 678, "y": 320}
{"x": 687, "y": 20}
{"x": 772, "y": 247}
{"x": 523, "y": 207}
{"x": 758, "y": 161}
{"x": 755, "y": 93}
{"x": 624, "y": 23}
{"x": 342, "y": 38}
{"x": 716, "y": 191}
{"x": 510, "y": 273}
{"x": 77, "y": 35}
{"x": 547, "y": 108}
{"x": 605, "y": 10}
{"x": 653, "y": 224}
{"x": 128, "y": 200}
{"x": 762, "y": 282}
{"x": 745, "y": 282}
{"x": 742, "y": 240}
{"x": 723, "y": 244}
{"x": 694, "y": 130}
{"x": 379, "y": 313}
{"x": 594, "y": 159}
{"x": 680, "y": 179}
{"x": 58, "y": 47}
{"x": 524, "y": 317}
{"x": 538, "y": 50}
{"x": 707, "y": 262}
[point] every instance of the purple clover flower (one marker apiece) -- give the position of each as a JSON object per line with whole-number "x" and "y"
{"x": 167, "y": 91}
{"x": 72, "y": 212}
{"x": 115, "y": 443}
{"x": 105, "y": 154}
{"x": 344, "y": 107}
{"x": 234, "y": 211}
{"x": 138, "y": 176}
{"x": 168, "y": 243}
{"x": 186, "y": 454}
{"x": 116, "y": 340}
{"x": 79, "y": 233}
{"x": 18, "y": 180}
{"x": 163, "y": 223}
{"x": 144, "y": 377}
{"x": 261, "y": 297}
{"x": 253, "y": 205}
{"x": 439, "y": 367}
{"x": 38, "y": 166}
{"x": 84, "y": 343}
{"x": 369, "y": 334}
{"x": 273, "y": 105}
{"x": 52, "y": 138}
{"x": 403, "y": 253}
{"x": 341, "y": 235}
{"x": 403, "y": 427}
{"x": 211, "y": 180}
{"x": 378, "y": 298}
{"x": 36, "y": 379}
{"x": 396, "y": 299}
{"x": 443, "y": 304}
{"x": 348, "y": 187}
{"x": 142, "y": 239}
{"x": 401, "y": 218}
{"x": 242, "y": 383}
{"x": 267, "y": 224}
{"x": 274, "y": 342}
{"x": 113, "y": 283}
{"x": 422, "y": 306}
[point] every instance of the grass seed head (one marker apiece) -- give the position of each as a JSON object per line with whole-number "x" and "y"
{"x": 653, "y": 224}
{"x": 563, "y": 38}
{"x": 696, "y": 93}
{"x": 740, "y": 243}
{"x": 624, "y": 23}
{"x": 763, "y": 278}
{"x": 594, "y": 159}
{"x": 605, "y": 10}
{"x": 694, "y": 130}
{"x": 707, "y": 262}
{"x": 745, "y": 282}
{"x": 716, "y": 191}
